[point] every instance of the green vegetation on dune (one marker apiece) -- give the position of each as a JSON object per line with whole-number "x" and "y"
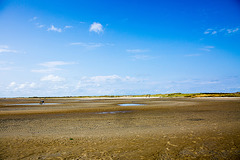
{"x": 192, "y": 95}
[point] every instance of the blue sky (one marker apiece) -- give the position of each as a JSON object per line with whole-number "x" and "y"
{"x": 70, "y": 48}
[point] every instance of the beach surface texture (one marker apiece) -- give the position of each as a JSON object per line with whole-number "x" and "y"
{"x": 101, "y": 128}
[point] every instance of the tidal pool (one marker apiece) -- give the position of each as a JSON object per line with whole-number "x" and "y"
{"x": 113, "y": 112}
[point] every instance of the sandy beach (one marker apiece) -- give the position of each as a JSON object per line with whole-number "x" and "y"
{"x": 159, "y": 128}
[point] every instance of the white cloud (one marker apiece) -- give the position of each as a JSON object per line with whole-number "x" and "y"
{"x": 137, "y": 50}
{"x": 12, "y": 84}
{"x": 88, "y": 45}
{"x": 4, "y": 46}
{"x": 207, "y": 48}
{"x": 52, "y": 78}
{"x": 32, "y": 85}
{"x": 52, "y": 28}
{"x": 67, "y": 27}
{"x": 37, "y": 23}
{"x": 21, "y": 86}
{"x": 222, "y": 30}
{"x": 98, "y": 79}
{"x": 33, "y": 19}
{"x": 55, "y": 63}
{"x": 106, "y": 79}
{"x": 96, "y": 27}
{"x": 192, "y": 55}
{"x": 40, "y": 25}
{"x": 118, "y": 85}
{"x": 91, "y": 45}
{"x": 51, "y": 66}
{"x": 5, "y": 65}
{"x": 232, "y": 30}
{"x": 103, "y": 85}
{"x": 229, "y": 30}
{"x": 47, "y": 70}
{"x": 208, "y": 31}
{"x": 107, "y": 85}
{"x": 5, "y": 68}
{"x": 214, "y": 32}
{"x": 5, "y": 49}
{"x": 235, "y": 30}
{"x": 198, "y": 81}
{"x": 207, "y": 82}
{"x": 141, "y": 57}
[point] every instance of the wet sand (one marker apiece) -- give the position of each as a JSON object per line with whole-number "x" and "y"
{"x": 162, "y": 128}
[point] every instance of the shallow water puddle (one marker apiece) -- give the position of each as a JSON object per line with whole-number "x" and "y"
{"x": 130, "y": 104}
{"x": 113, "y": 112}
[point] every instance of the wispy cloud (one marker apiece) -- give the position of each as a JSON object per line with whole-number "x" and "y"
{"x": 105, "y": 85}
{"x": 52, "y": 78}
{"x": 96, "y": 27}
{"x": 33, "y": 18}
{"x": 208, "y": 82}
{"x": 35, "y": 21}
{"x": 40, "y": 25}
{"x": 67, "y": 27}
{"x": 211, "y": 31}
{"x": 110, "y": 78}
{"x": 19, "y": 86}
{"x": 55, "y": 63}
{"x": 141, "y": 57}
{"x": 97, "y": 81}
{"x": 5, "y": 49}
{"x": 222, "y": 30}
{"x": 52, "y": 28}
{"x": 91, "y": 45}
{"x": 88, "y": 45}
{"x": 208, "y": 31}
{"x": 46, "y": 70}
{"x": 195, "y": 81}
{"x": 214, "y": 32}
{"x": 12, "y": 84}
{"x": 192, "y": 55}
{"x": 207, "y": 48}
{"x": 4, "y": 65}
{"x": 137, "y": 50}
{"x": 138, "y": 54}
{"x": 232, "y": 30}
{"x": 5, "y": 68}
{"x": 51, "y": 66}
